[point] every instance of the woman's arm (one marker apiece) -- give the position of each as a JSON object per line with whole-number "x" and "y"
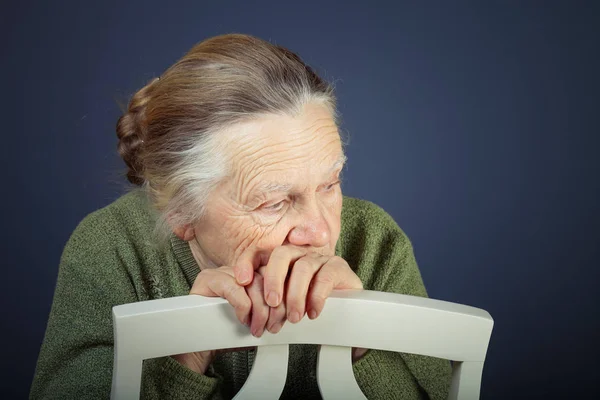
{"x": 76, "y": 358}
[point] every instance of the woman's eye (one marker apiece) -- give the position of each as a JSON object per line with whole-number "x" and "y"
{"x": 275, "y": 207}
{"x": 331, "y": 185}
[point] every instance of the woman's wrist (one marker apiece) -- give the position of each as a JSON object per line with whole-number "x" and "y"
{"x": 197, "y": 362}
{"x": 358, "y": 353}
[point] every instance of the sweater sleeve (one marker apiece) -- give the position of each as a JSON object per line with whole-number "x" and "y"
{"x": 385, "y": 262}
{"x": 76, "y": 357}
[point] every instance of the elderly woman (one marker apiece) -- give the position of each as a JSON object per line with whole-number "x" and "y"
{"x": 237, "y": 152}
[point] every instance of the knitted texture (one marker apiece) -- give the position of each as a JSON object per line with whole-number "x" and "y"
{"x": 113, "y": 258}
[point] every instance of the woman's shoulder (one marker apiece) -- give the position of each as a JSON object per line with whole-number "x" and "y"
{"x": 363, "y": 215}
{"x": 128, "y": 217}
{"x": 378, "y": 250}
{"x": 366, "y": 227}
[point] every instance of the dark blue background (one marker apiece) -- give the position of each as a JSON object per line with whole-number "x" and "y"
{"x": 474, "y": 124}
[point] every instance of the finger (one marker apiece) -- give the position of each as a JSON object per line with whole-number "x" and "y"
{"x": 245, "y": 265}
{"x": 221, "y": 283}
{"x": 260, "y": 309}
{"x": 276, "y": 272}
{"x": 277, "y": 317}
{"x": 299, "y": 280}
{"x": 335, "y": 274}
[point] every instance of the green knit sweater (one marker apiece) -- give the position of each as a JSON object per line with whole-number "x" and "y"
{"x": 113, "y": 258}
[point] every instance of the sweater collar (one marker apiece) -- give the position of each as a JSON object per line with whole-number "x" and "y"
{"x": 185, "y": 258}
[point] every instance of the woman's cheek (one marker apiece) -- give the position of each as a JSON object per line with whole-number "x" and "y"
{"x": 255, "y": 236}
{"x": 335, "y": 215}
{"x": 273, "y": 236}
{"x": 333, "y": 200}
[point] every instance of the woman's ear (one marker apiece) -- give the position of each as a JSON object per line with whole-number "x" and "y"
{"x": 183, "y": 232}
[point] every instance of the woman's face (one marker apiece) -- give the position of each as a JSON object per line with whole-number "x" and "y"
{"x": 284, "y": 189}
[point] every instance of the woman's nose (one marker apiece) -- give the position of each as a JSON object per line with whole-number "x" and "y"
{"x": 311, "y": 230}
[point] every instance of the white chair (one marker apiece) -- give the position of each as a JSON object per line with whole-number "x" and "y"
{"x": 367, "y": 319}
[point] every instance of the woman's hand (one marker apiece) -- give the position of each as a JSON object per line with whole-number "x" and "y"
{"x": 304, "y": 277}
{"x": 248, "y": 303}
{"x": 262, "y": 315}
{"x": 218, "y": 282}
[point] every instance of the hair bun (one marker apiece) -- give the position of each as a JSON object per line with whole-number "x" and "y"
{"x": 131, "y": 130}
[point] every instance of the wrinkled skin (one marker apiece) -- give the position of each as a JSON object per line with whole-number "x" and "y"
{"x": 267, "y": 240}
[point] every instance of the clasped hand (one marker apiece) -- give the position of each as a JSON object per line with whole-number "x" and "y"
{"x": 293, "y": 282}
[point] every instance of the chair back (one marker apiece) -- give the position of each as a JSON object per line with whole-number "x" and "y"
{"x": 351, "y": 318}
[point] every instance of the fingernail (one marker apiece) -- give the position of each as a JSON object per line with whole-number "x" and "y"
{"x": 275, "y": 327}
{"x": 312, "y": 314}
{"x": 273, "y": 299}
{"x": 294, "y": 317}
{"x": 243, "y": 277}
{"x": 247, "y": 321}
{"x": 257, "y": 332}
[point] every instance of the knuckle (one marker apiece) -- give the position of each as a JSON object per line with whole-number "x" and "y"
{"x": 236, "y": 294}
{"x": 203, "y": 282}
{"x": 326, "y": 278}
{"x": 318, "y": 298}
{"x": 244, "y": 306}
{"x": 304, "y": 267}
{"x": 337, "y": 263}
{"x": 338, "y": 260}
{"x": 279, "y": 252}
{"x": 230, "y": 290}
{"x": 202, "y": 276}
{"x": 261, "y": 314}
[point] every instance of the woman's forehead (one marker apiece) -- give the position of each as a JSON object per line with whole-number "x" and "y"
{"x": 307, "y": 139}
{"x": 260, "y": 180}
{"x": 279, "y": 150}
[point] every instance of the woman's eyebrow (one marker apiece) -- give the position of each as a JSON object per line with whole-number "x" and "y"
{"x": 268, "y": 187}
{"x": 278, "y": 187}
{"x": 339, "y": 164}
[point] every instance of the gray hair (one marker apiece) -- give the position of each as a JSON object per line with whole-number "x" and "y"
{"x": 168, "y": 136}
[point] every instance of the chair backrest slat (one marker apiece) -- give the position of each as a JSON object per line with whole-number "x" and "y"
{"x": 366, "y": 319}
